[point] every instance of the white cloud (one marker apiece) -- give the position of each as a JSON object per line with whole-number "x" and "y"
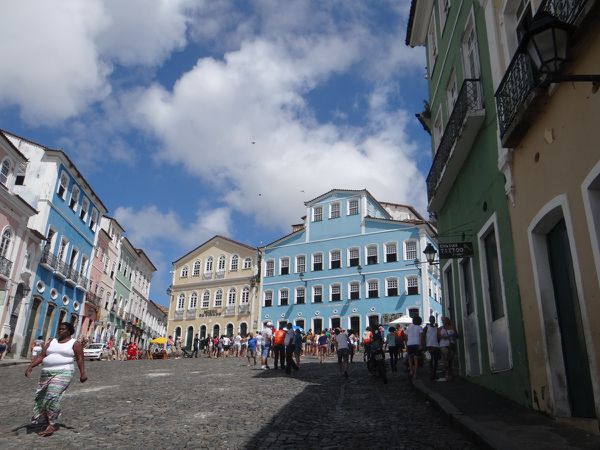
{"x": 148, "y": 227}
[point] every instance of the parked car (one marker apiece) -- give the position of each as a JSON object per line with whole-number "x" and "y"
{"x": 97, "y": 351}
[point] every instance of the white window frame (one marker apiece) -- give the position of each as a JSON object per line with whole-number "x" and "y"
{"x": 312, "y": 297}
{"x": 245, "y": 299}
{"x": 247, "y": 263}
{"x": 368, "y": 286}
{"x": 335, "y": 210}
{"x": 351, "y": 285}
{"x": 180, "y": 301}
{"x": 432, "y": 42}
{"x": 208, "y": 266}
{"x": 331, "y": 254}
{"x": 270, "y": 268}
{"x": 313, "y": 261}
{"x": 296, "y": 290}
{"x": 317, "y": 213}
{"x": 234, "y": 263}
{"x": 221, "y": 263}
{"x": 196, "y": 268}
{"x": 286, "y": 296}
{"x": 451, "y": 92}
{"x": 386, "y": 247}
{"x": 267, "y": 295}
{"x": 74, "y": 197}
{"x": 349, "y": 255}
{"x": 217, "y": 299}
{"x": 350, "y": 208}
{"x": 438, "y": 129}
{"x": 409, "y": 282}
{"x": 5, "y": 178}
{"x": 331, "y": 288}
{"x": 444, "y": 7}
{"x": 392, "y": 280}
{"x": 407, "y": 257}
{"x": 300, "y": 267}
{"x": 231, "y": 296}
{"x": 184, "y": 272}
{"x": 63, "y": 182}
{"x": 284, "y": 262}
{"x": 193, "y": 300}
{"x": 206, "y": 299}
{"x": 367, "y": 254}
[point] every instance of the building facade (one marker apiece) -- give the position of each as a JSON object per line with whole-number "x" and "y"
{"x": 19, "y": 245}
{"x": 214, "y": 291}
{"x": 68, "y": 216}
{"x": 551, "y": 161}
{"x": 136, "y": 313}
{"x": 354, "y": 262}
{"x": 467, "y": 196}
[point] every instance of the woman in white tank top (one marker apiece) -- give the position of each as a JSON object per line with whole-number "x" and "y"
{"x": 58, "y": 357}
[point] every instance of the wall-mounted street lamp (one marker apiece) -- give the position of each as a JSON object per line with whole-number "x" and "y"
{"x": 430, "y": 253}
{"x": 301, "y": 276}
{"x": 359, "y": 269}
{"x": 169, "y": 291}
{"x": 547, "y": 42}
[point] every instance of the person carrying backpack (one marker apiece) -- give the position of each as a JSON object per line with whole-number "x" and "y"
{"x": 432, "y": 345}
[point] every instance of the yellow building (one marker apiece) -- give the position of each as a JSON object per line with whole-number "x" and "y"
{"x": 213, "y": 291}
{"x": 547, "y": 54}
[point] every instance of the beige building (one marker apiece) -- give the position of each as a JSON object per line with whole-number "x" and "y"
{"x": 213, "y": 291}
{"x": 549, "y": 128}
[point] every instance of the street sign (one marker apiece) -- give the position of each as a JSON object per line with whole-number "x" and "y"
{"x": 452, "y": 250}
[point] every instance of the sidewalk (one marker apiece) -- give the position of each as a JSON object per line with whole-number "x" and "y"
{"x": 13, "y": 361}
{"x": 499, "y": 423}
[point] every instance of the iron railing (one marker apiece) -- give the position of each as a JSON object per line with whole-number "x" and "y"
{"x": 244, "y": 309}
{"x": 49, "y": 259}
{"x": 229, "y": 311}
{"x": 521, "y": 77}
{"x": 207, "y": 276}
{"x": 220, "y": 275}
{"x": 178, "y": 315}
{"x": 469, "y": 100}
{"x": 5, "y": 266}
{"x": 92, "y": 299}
{"x": 190, "y": 314}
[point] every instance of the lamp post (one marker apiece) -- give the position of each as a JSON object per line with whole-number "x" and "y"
{"x": 301, "y": 276}
{"x": 430, "y": 253}
{"x": 547, "y": 43}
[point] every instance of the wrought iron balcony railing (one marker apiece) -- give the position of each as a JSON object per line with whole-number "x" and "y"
{"x": 220, "y": 275}
{"x": 178, "y": 315}
{"x": 244, "y": 309}
{"x": 207, "y": 276}
{"x": 190, "y": 314}
{"x": 82, "y": 282}
{"x": 229, "y": 311}
{"x": 517, "y": 91}
{"x": 92, "y": 299}
{"x": 469, "y": 100}
{"x": 5, "y": 266}
{"x": 49, "y": 259}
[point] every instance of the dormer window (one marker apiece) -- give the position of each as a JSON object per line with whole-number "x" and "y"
{"x": 85, "y": 204}
{"x": 334, "y": 211}
{"x": 5, "y": 172}
{"x": 352, "y": 207}
{"x": 62, "y": 186}
{"x": 284, "y": 266}
{"x": 317, "y": 213}
{"x": 74, "y": 198}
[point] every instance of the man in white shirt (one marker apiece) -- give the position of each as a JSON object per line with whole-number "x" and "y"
{"x": 342, "y": 344}
{"x": 289, "y": 350}
{"x": 432, "y": 345}
{"x": 267, "y": 335}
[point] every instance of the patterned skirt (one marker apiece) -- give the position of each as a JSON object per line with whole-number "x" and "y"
{"x": 49, "y": 391}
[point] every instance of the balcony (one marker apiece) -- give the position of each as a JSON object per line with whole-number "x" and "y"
{"x": 460, "y": 133}
{"x": 207, "y": 276}
{"x": 61, "y": 270}
{"x": 520, "y": 95}
{"x": 5, "y": 267}
{"x": 49, "y": 260}
{"x": 93, "y": 299}
{"x": 220, "y": 275}
{"x": 72, "y": 276}
{"x": 82, "y": 282}
{"x": 190, "y": 314}
{"x": 244, "y": 309}
{"x": 229, "y": 311}
{"x": 178, "y": 315}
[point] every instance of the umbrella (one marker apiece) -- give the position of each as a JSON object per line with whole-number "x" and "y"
{"x": 159, "y": 340}
{"x": 404, "y": 320}
{"x": 296, "y": 327}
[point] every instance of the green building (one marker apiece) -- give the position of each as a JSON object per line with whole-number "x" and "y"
{"x": 122, "y": 290}
{"x": 466, "y": 194}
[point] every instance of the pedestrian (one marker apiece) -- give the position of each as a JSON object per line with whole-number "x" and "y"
{"x": 400, "y": 341}
{"x": 342, "y": 345}
{"x": 290, "y": 348}
{"x": 414, "y": 341}
{"x": 298, "y": 343}
{"x": 367, "y": 338}
{"x": 390, "y": 342}
{"x": 3, "y": 346}
{"x": 196, "y": 346}
{"x": 244, "y": 344}
{"x": 432, "y": 345}
{"x": 267, "y": 335}
{"x": 447, "y": 336}
{"x": 251, "y": 352}
{"x": 353, "y": 344}
{"x": 57, "y": 372}
{"x": 37, "y": 347}
{"x": 259, "y": 343}
{"x": 322, "y": 342}
{"x": 279, "y": 347}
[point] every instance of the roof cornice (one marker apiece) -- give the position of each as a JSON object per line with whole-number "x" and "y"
{"x": 418, "y": 22}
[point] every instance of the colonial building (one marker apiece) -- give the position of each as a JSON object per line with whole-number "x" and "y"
{"x": 213, "y": 291}
{"x": 19, "y": 245}
{"x": 354, "y": 262}
{"x": 466, "y": 193}
{"x": 68, "y": 215}
{"x": 155, "y": 320}
{"x": 544, "y": 55}
{"x": 141, "y": 280}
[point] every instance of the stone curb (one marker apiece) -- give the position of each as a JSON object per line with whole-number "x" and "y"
{"x": 18, "y": 362}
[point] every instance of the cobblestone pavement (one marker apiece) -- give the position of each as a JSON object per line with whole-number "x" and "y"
{"x": 223, "y": 404}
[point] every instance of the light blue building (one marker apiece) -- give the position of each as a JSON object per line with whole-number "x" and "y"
{"x": 68, "y": 216}
{"x": 350, "y": 264}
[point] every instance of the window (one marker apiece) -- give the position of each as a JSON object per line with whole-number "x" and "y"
{"x": 371, "y": 254}
{"x": 219, "y": 298}
{"x": 206, "y": 299}
{"x": 4, "y": 172}
{"x": 391, "y": 253}
{"x": 245, "y": 295}
{"x": 336, "y": 292}
{"x": 438, "y": 129}
{"x": 193, "y": 300}
{"x": 247, "y": 263}
{"x": 317, "y": 294}
{"x": 62, "y": 186}
{"x": 354, "y": 290}
{"x": 84, "y": 266}
{"x": 451, "y": 92}
{"x": 317, "y": 262}
{"x": 432, "y": 49}
{"x": 301, "y": 264}
{"x": 334, "y": 210}
{"x": 493, "y": 275}
{"x": 317, "y": 213}
{"x": 85, "y": 204}
{"x": 234, "y": 262}
{"x": 7, "y": 237}
{"x": 300, "y": 296}
{"x": 465, "y": 268}
{"x": 180, "y": 301}
{"x": 412, "y": 285}
{"x": 184, "y": 272}
{"x": 373, "y": 289}
{"x": 413, "y": 312}
{"x": 208, "y": 267}
{"x": 352, "y": 207}
{"x": 284, "y": 266}
{"x": 74, "y": 198}
{"x": 410, "y": 250}
{"x": 270, "y": 268}
{"x": 20, "y": 174}
{"x": 353, "y": 257}
{"x": 392, "y": 287}
{"x": 94, "y": 220}
{"x": 221, "y": 263}
{"x": 196, "y": 269}
{"x": 231, "y": 297}
{"x": 444, "y": 6}
{"x": 62, "y": 249}
{"x": 335, "y": 259}
{"x": 283, "y": 297}
{"x": 268, "y": 298}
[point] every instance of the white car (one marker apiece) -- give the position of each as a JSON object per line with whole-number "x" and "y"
{"x": 97, "y": 351}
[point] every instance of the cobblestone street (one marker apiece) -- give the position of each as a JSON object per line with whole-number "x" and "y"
{"x": 207, "y": 403}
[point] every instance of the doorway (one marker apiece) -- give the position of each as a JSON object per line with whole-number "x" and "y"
{"x": 189, "y": 337}
{"x": 230, "y": 329}
{"x": 203, "y": 332}
{"x": 216, "y": 330}
{"x": 355, "y": 325}
{"x": 47, "y": 321}
{"x": 318, "y": 325}
{"x": 373, "y": 321}
{"x": 470, "y": 324}
{"x": 33, "y": 320}
{"x": 243, "y": 329}
{"x": 336, "y": 322}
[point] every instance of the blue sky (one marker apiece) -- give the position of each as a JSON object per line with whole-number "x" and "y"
{"x": 158, "y": 103}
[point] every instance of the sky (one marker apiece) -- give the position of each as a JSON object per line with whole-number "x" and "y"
{"x": 192, "y": 118}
